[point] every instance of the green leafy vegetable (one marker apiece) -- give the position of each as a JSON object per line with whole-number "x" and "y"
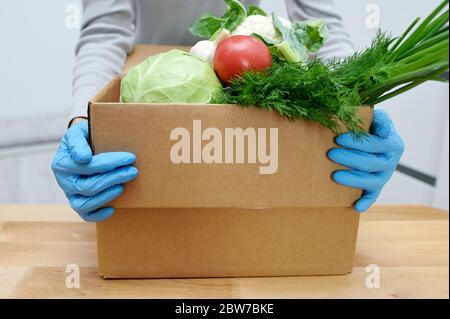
{"x": 234, "y": 15}
{"x": 208, "y": 25}
{"x": 172, "y": 77}
{"x": 297, "y": 91}
{"x": 313, "y": 34}
{"x": 255, "y": 10}
{"x": 275, "y": 49}
{"x": 293, "y": 50}
{"x": 301, "y": 38}
{"x": 329, "y": 92}
{"x": 404, "y": 64}
{"x": 298, "y": 40}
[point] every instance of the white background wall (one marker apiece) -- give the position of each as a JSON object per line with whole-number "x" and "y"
{"x": 37, "y": 57}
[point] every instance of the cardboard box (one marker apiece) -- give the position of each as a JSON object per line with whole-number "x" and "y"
{"x": 223, "y": 191}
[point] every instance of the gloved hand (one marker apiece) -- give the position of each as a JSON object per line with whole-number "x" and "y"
{"x": 90, "y": 182}
{"x": 372, "y": 160}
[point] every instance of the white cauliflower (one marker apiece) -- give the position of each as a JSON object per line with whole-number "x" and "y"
{"x": 261, "y": 25}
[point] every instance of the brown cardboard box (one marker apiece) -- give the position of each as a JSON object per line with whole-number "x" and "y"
{"x": 264, "y": 207}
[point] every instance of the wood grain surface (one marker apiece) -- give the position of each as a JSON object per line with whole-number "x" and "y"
{"x": 410, "y": 245}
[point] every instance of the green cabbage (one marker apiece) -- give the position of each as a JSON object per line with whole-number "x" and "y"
{"x": 172, "y": 77}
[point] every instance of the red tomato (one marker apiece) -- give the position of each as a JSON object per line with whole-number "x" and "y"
{"x": 238, "y": 54}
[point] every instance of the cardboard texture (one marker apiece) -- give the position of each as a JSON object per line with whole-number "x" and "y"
{"x": 220, "y": 242}
{"x": 265, "y": 207}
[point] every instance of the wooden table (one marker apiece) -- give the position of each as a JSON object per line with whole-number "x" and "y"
{"x": 409, "y": 244}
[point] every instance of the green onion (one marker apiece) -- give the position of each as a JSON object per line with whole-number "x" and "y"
{"x": 330, "y": 93}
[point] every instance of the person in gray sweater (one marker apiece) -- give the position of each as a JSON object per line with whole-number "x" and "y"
{"x": 111, "y": 28}
{"x": 109, "y": 31}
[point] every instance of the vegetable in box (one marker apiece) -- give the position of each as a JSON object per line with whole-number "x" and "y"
{"x": 265, "y": 61}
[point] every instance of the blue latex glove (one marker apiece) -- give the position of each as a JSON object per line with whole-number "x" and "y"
{"x": 90, "y": 182}
{"x": 372, "y": 160}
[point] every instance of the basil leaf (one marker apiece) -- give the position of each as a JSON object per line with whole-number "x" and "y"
{"x": 206, "y": 26}
{"x": 255, "y": 11}
{"x": 234, "y": 15}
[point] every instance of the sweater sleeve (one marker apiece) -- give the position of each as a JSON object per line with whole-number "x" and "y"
{"x": 106, "y": 37}
{"x": 339, "y": 44}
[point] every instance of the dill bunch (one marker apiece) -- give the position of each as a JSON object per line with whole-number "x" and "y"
{"x": 330, "y": 93}
{"x": 297, "y": 91}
